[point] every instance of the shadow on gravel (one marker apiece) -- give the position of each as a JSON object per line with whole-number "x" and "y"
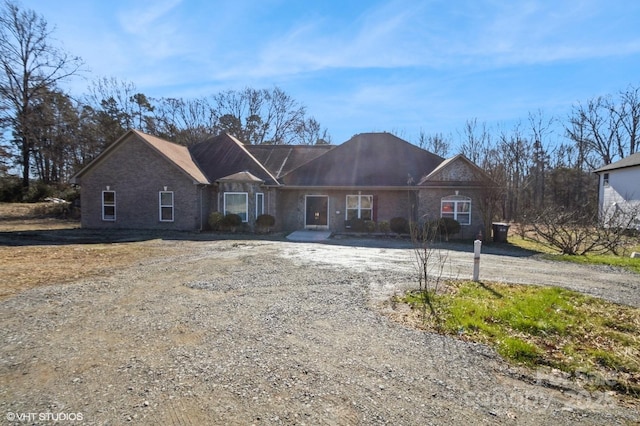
{"x": 391, "y": 242}
{"x": 95, "y": 236}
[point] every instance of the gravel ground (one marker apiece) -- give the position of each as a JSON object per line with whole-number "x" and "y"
{"x": 262, "y": 332}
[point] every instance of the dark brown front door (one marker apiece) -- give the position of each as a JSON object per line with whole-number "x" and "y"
{"x": 317, "y": 211}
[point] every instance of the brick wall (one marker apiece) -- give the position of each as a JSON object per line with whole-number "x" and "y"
{"x": 137, "y": 173}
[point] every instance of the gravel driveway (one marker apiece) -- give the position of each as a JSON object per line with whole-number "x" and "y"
{"x": 262, "y": 332}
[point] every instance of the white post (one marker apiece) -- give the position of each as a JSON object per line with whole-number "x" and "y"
{"x": 477, "y": 244}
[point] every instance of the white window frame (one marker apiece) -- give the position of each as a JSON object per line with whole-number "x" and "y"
{"x": 259, "y": 204}
{"x": 457, "y": 201}
{"x": 359, "y": 208}
{"x": 246, "y": 205}
{"x": 105, "y": 217}
{"x": 165, "y": 206}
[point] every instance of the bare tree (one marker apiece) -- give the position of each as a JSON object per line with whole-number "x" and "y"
{"x": 540, "y": 128}
{"x": 183, "y": 121}
{"x": 55, "y": 133}
{"x": 435, "y": 143}
{"x": 263, "y": 116}
{"x": 606, "y": 130}
{"x": 113, "y": 103}
{"x": 476, "y": 141}
{"x": 30, "y": 64}
{"x": 515, "y": 155}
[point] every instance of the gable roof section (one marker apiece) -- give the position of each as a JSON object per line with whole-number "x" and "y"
{"x": 631, "y": 161}
{"x": 177, "y": 155}
{"x": 224, "y": 155}
{"x": 367, "y": 159}
{"x": 281, "y": 159}
{"x": 456, "y": 171}
{"x": 241, "y": 177}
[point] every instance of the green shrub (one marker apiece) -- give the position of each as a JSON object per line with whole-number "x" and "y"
{"x": 57, "y": 210}
{"x": 68, "y": 193}
{"x": 10, "y": 189}
{"x": 38, "y": 192}
{"x": 215, "y": 220}
{"x": 383, "y": 226}
{"x": 230, "y": 222}
{"x": 399, "y": 225}
{"x": 363, "y": 225}
{"x": 448, "y": 226}
{"x": 265, "y": 222}
{"x": 357, "y": 225}
{"x": 370, "y": 226}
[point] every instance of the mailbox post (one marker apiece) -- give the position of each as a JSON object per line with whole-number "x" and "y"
{"x": 477, "y": 245}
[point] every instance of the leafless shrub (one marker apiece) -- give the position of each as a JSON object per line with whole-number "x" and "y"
{"x": 430, "y": 263}
{"x": 578, "y": 232}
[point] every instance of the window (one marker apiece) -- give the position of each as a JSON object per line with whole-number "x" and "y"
{"x": 109, "y": 205}
{"x": 236, "y": 203}
{"x": 259, "y": 204}
{"x": 359, "y": 207}
{"x": 605, "y": 179}
{"x": 456, "y": 207}
{"x": 166, "y": 206}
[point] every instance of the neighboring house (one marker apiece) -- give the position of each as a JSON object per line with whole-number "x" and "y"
{"x": 142, "y": 181}
{"x": 619, "y": 192}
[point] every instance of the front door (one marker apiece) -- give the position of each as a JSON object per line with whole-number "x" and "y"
{"x": 317, "y": 211}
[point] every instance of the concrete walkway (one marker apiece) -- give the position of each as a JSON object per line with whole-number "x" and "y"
{"x": 309, "y": 236}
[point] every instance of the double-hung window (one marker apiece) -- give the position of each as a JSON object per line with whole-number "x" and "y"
{"x": 109, "y": 205}
{"x": 166, "y": 206}
{"x": 259, "y": 204}
{"x": 359, "y": 207}
{"x": 456, "y": 207}
{"x": 237, "y": 203}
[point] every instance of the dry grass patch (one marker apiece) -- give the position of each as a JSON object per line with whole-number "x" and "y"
{"x": 31, "y": 265}
{"x": 15, "y": 217}
{"x": 26, "y": 267}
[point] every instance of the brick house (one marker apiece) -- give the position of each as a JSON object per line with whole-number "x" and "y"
{"x": 144, "y": 182}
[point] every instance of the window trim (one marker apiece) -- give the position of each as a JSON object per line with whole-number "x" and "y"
{"x": 359, "y": 208}
{"x": 605, "y": 179}
{"x": 246, "y": 204}
{"x": 456, "y": 200}
{"x": 165, "y": 206}
{"x": 108, "y": 218}
{"x": 260, "y": 203}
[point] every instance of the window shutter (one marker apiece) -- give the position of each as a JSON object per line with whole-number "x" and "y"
{"x": 374, "y": 216}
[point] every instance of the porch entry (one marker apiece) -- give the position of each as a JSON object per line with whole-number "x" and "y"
{"x": 316, "y": 211}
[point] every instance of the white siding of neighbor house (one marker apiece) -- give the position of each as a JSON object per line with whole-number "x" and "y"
{"x": 622, "y": 192}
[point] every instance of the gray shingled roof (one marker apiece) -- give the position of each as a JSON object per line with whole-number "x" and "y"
{"x": 630, "y": 161}
{"x": 281, "y": 159}
{"x": 224, "y": 155}
{"x": 368, "y": 159}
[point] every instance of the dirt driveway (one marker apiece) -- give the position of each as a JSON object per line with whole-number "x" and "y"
{"x": 265, "y": 332}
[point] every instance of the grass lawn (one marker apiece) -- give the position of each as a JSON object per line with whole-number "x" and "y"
{"x": 542, "y": 326}
{"x": 625, "y": 262}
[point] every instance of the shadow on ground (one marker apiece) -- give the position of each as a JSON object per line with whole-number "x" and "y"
{"x": 100, "y": 236}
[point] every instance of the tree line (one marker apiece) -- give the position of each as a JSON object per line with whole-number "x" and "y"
{"x": 50, "y": 135}
{"x": 546, "y": 162}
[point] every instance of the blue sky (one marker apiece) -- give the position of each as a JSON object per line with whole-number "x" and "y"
{"x": 360, "y": 66}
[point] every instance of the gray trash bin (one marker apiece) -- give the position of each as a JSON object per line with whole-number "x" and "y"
{"x": 500, "y": 232}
